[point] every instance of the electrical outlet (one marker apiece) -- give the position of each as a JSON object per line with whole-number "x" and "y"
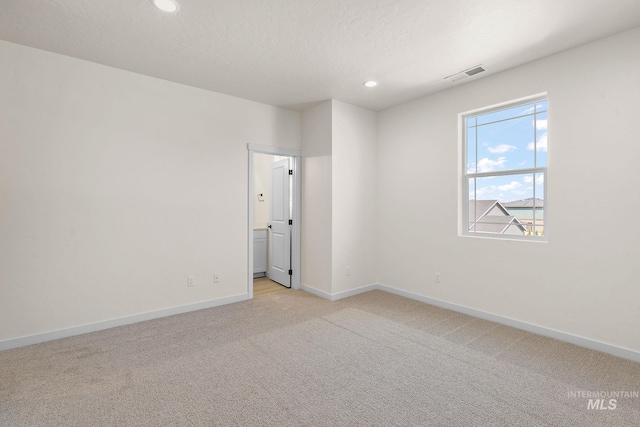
{"x": 191, "y": 281}
{"x": 349, "y": 270}
{"x": 437, "y": 277}
{"x": 216, "y": 277}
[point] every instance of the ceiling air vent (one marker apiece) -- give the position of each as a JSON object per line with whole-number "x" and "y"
{"x": 466, "y": 73}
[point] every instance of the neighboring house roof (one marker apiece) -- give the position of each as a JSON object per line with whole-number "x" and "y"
{"x": 481, "y": 207}
{"x": 528, "y": 214}
{"x": 490, "y": 216}
{"x": 525, "y": 203}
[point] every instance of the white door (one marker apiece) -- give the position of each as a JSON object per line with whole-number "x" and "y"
{"x": 280, "y": 241}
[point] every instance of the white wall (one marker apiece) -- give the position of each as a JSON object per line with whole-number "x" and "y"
{"x": 338, "y": 197}
{"x": 316, "y": 198}
{"x": 114, "y": 187}
{"x": 584, "y": 281}
{"x": 353, "y": 195}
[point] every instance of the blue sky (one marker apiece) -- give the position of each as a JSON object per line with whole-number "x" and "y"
{"x": 515, "y": 138}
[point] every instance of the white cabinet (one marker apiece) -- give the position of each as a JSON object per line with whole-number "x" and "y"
{"x": 259, "y": 252}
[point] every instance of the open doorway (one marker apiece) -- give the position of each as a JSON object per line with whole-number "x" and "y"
{"x": 274, "y": 217}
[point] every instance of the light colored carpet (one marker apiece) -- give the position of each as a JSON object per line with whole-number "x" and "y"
{"x": 290, "y": 358}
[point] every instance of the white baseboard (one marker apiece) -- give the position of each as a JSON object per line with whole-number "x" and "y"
{"x": 316, "y": 292}
{"x": 352, "y": 292}
{"x": 112, "y": 323}
{"x": 539, "y": 330}
{"x": 339, "y": 295}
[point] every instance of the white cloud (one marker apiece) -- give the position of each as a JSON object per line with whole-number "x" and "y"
{"x": 488, "y": 165}
{"x": 484, "y": 191}
{"x": 541, "y": 145}
{"x": 529, "y": 179}
{"x": 502, "y": 148}
{"x": 500, "y": 192}
{"x": 541, "y": 124}
{"x": 510, "y": 187}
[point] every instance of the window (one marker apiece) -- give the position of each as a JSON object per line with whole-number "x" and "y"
{"x": 505, "y": 171}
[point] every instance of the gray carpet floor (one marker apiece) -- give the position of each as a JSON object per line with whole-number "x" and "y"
{"x": 292, "y": 359}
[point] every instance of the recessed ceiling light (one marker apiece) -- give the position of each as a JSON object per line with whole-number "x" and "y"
{"x": 170, "y": 6}
{"x": 370, "y": 83}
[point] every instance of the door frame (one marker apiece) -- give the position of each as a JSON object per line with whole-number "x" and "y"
{"x": 296, "y": 156}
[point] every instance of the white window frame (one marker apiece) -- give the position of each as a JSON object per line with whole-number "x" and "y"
{"x": 465, "y": 175}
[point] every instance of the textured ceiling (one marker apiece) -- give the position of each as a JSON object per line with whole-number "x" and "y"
{"x": 293, "y": 53}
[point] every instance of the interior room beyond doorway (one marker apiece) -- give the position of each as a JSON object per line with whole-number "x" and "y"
{"x": 272, "y": 215}
{"x": 264, "y": 286}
